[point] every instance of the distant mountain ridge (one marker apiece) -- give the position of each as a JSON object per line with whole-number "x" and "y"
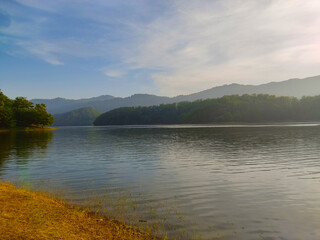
{"x": 62, "y": 105}
{"x": 292, "y": 87}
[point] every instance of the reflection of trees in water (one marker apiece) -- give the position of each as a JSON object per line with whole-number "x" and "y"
{"x": 20, "y": 145}
{"x": 240, "y": 136}
{"x": 226, "y": 145}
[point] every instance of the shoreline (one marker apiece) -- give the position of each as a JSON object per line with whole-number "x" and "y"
{"x": 30, "y": 215}
{"x": 27, "y": 129}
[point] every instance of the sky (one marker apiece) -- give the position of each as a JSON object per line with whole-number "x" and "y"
{"x": 85, "y": 48}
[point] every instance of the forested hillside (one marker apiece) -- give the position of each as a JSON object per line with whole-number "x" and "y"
{"x": 235, "y": 108}
{"x": 79, "y": 117}
{"x": 22, "y": 113}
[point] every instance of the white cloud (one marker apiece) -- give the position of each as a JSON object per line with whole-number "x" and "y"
{"x": 207, "y": 43}
{"x": 191, "y": 45}
{"x": 53, "y": 61}
{"x": 114, "y": 73}
{"x": 43, "y": 50}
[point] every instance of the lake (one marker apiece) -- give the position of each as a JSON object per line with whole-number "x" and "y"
{"x": 218, "y": 181}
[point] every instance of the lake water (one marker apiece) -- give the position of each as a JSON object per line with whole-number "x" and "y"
{"x": 230, "y": 182}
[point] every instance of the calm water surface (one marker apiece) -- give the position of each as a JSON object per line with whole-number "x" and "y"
{"x": 232, "y": 182}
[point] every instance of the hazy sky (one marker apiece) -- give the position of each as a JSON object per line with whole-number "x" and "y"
{"x": 84, "y": 48}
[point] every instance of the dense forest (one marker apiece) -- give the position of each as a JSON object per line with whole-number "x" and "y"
{"x": 22, "y": 113}
{"x": 235, "y": 108}
{"x": 79, "y": 117}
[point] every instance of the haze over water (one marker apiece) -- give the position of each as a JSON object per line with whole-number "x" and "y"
{"x": 234, "y": 182}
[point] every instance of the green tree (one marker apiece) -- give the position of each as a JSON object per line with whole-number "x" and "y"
{"x": 6, "y": 112}
{"x": 22, "y": 113}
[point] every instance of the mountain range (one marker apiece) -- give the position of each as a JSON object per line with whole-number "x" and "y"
{"x": 293, "y": 87}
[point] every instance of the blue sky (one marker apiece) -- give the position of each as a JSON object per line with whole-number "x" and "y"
{"x": 85, "y": 48}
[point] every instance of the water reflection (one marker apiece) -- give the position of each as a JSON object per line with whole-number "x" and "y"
{"x": 19, "y": 146}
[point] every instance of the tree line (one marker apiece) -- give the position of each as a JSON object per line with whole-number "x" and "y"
{"x": 22, "y": 113}
{"x": 234, "y": 108}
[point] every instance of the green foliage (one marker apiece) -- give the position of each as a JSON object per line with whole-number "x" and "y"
{"x": 234, "y": 108}
{"x": 22, "y": 113}
{"x": 6, "y": 111}
{"x": 79, "y": 117}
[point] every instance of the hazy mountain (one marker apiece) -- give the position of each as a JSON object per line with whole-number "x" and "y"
{"x": 79, "y": 117}
{"x": 293, "y": 87}
{"x": 62, "y": 105}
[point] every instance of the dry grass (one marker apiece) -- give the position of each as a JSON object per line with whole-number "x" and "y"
{"x": 35, "y": 215}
